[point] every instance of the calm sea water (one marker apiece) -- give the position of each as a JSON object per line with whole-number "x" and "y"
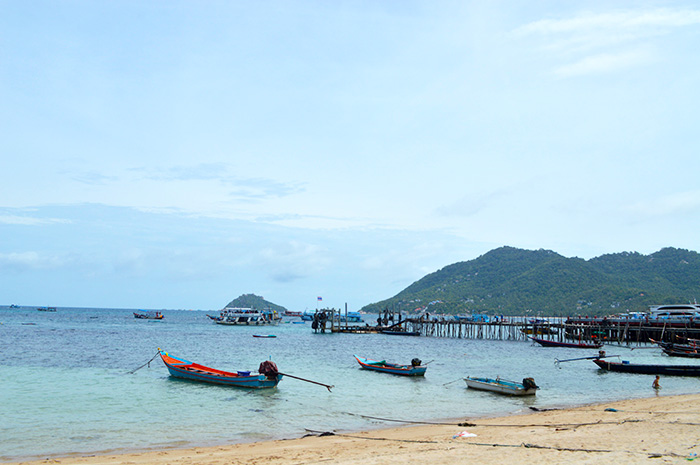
{"x": 66, "y": 387}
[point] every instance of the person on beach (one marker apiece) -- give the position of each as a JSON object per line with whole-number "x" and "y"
{"x": 656, "y": 384}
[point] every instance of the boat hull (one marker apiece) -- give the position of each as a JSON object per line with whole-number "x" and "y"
{"x": 671, "y": 370}
{"x": 184, "y": 369}
{"x": 400, "y": 333}
{"x": 391, "y": 368}
{"x": 499, "y": 386}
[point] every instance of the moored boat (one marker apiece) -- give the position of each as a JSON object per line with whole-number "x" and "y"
{"x": 267, "y": 376}
{"x": 236, "y": 316}
{"x": 151, "y": 315}
{"x": 503, "y": 386}
{"x": 414, "y": 369}
{"x": 627, "y": 367}
{"x": 571, "y": 345}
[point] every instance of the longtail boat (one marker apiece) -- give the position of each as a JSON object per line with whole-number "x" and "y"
{"x": 152, "y": 315}
{"x": 674, "y": 349}
{"x": 571, "y": 345}
{"x": 268, "y": 376}
{"x": 680, "y": 352}
{"x": 503, "y": 386}
{"x": 627, "y": 367}
{"x": 414, "y": 369}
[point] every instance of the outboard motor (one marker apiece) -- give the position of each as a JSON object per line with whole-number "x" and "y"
{"x": 269, "y": 369}
{"x": 529, "y": 383}
{"x": 416, "y": 362}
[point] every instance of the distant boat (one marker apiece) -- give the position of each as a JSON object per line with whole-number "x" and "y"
{"x": 414, "y": 369}
{"x": 502, "y": 386}
{"x": 571, "y": 345}
{"x": 352, "y": 317}
{"x": 47, "y": 309}
{"x": 264, "y": 335}
{"x": 181, "y": 368}
{"x": 627, "y": 367}
{"x": 14, "y": 306}
{"x": 236, "y": 316}
{"x": 148, "y": 315}
{"x": 290, "y": 313}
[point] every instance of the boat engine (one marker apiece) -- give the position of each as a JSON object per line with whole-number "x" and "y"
{"x": 269, "y": 369}
{"x": 529, "y": 383}
{"x": 416, "y": 362}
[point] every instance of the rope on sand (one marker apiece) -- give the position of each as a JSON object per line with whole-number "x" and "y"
{"x": 524, "y": 445}
{"x": 410, "y": 421}
{"x": 546, "y": 425}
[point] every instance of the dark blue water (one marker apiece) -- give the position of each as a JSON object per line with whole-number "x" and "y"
{"x": 66, "y": 387}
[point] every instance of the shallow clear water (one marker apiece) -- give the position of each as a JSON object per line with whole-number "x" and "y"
{"x": 66, "y": 387}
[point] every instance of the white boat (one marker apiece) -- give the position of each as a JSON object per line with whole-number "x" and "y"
{"x": 502, "y": 386}
{"x": 677, "y": 311}
{"x": 237, "y": 316}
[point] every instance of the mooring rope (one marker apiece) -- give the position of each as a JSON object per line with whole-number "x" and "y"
{"x": 523, "y": 445}
{"x": 486, "y": 425}
{"x": 147, "y": 363}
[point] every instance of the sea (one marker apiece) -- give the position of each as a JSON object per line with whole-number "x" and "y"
{"x": 84, "y": 381}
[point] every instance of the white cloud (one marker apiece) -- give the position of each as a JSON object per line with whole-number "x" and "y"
{"x": 604, "y": 63}
{"x": 651, "y": 22}
{"x": 594, "y": 43}
{"x": 21, "y": 261}
{"x": 29, "y": 221}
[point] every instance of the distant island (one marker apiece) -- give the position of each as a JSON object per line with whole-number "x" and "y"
{"x": 256, "y": 302}
{"x": 511, "y": 281}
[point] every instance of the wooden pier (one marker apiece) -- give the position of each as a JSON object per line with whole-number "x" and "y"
{"x": 581, "y": 329}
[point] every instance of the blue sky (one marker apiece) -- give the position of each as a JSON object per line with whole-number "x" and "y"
{"x": 167, "y": 154}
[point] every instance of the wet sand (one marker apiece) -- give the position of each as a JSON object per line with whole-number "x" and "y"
{"x": 655, "y": 430}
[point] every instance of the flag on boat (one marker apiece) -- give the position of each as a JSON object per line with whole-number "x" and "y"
{"x": 319, "y": 298}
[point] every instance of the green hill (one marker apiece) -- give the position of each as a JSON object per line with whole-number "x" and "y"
{"x": 256, "y": 302}
{"x": 510, "y": 281}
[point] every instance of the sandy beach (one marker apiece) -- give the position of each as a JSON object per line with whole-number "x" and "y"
{"x": 662, "y": 429}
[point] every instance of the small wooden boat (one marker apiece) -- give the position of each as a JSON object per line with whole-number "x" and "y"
{"x": 414, "y": 369}
{"x": 148, "y": 315}
{"x": 400, "y": 333}
{"x": 571, "y": 345}
{"x": 627, "y": 367}
{"x": 674, "y": 349}
{"x": 268, "y": 376}
{"x": 681, "y": 352}
{"x": 502, "y": 386}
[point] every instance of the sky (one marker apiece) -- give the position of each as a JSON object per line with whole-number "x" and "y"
{"x": 177, "y": 154}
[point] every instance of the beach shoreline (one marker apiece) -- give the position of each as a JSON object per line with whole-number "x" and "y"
{"x": 626, "y": 431}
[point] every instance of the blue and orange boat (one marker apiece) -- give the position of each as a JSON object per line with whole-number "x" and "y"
{"x": 414, "y": 369}
{"x": 267, "y": 376}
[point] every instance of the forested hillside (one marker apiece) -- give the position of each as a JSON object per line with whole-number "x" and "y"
{"x": 512, "y": 281}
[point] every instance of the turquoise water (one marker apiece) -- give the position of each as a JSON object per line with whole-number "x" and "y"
{"x": 66, "y": 387}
